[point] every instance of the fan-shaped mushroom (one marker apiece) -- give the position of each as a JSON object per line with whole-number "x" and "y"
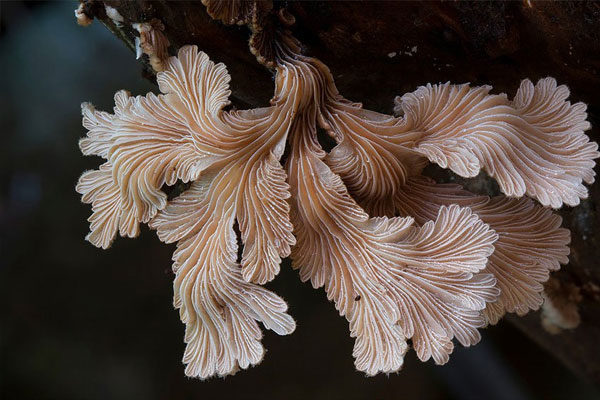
{"x": 450, "y": 263}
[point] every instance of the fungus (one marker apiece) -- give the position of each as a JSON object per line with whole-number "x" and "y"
{"x": 114, "y": 15}
{"x": 238, "y": 12}
{"x": 560, "y": 310}
{"x": 153, "y": 43}
{"x": 256, "y": 15}
{"x": 401, "y": 256}
{"x": 233, "y": 160}
{"x": 82, "y": 18}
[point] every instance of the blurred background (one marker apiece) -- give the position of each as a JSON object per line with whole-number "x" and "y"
{"x": 77, "y": 322}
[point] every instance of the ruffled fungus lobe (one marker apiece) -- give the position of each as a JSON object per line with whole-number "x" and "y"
{"x": 238, "y": 12}
{"x": 153, "y": 43}
{"x": 401, "y": 256}
{"x": 256, "y": 15}
{"x": 82, "y": 18}
{"x": 232, "y": 157}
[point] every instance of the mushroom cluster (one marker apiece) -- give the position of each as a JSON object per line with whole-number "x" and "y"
{"x": 401, "y": 256}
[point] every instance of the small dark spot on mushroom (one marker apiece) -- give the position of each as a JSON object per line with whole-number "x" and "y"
{"x": 357, "y": 298}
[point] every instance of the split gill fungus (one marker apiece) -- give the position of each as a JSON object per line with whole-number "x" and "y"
{"x": 401, "y": 256}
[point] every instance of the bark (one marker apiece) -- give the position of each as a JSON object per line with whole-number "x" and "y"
{"x": 379, "y": 50}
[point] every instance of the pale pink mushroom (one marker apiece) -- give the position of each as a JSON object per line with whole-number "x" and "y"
{"x": 82, "y": 18}
{"x": 391, "y": 279}
{"x": 238, "y": 12}
{"x": 153, "y": 43}
{"x": 530, "y": 242}
{"x": 233, "y": 159}
{"x": 379, "y": 158}
{"x": 534, "y": 145}
{"x": 451, "y": 263}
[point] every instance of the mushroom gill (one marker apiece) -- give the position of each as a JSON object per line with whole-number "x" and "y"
{"x": 233, "y": 160}
{"x": 534, "y": 145}
{"x": 401, "y": 256}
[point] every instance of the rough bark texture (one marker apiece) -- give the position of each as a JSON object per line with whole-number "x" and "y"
{"x": 379, "y": 50}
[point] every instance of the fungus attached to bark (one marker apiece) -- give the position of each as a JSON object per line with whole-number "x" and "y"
{"x": 233, "y": 160}
{"x": 560, "y": 310}
{"x": 114, "y": 15}
{"x": 153, "y": 43}
{"x": 401, "y": 256}
{"x": 82, "y": 18}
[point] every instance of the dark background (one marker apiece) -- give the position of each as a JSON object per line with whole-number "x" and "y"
{"x": 77, "y": 322}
